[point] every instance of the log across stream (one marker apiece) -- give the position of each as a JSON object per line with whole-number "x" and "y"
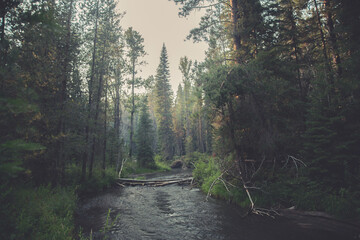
{"x": 175, "y": 210}
{"x": 154, "y": 183}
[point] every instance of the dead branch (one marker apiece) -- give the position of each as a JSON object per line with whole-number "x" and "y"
{"x": 256, "y": 172}
{"x": 122, "y": 166}
{"x": 212, "y": 185}
{"x": 121, "y": 185}
{"x": 265, "y": 212}
{"x": 297, "y": 160}
{"x": 227, "y": 189}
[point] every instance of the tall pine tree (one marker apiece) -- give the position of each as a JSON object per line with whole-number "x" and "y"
{"x": 144, "y": 138}
{"x": 163, "y": 106}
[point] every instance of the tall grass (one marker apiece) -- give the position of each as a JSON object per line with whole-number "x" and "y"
{"x": 39, "y": 213}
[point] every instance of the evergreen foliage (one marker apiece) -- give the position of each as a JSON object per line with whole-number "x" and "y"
{"x": 283, "y": 94}
{"x": 276, "y": 102}
{"x": 163, "y": 106}
{"x": 144, "y": 139}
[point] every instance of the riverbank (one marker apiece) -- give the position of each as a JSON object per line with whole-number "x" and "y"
{"x": 181, "y": 212}
{"x": 280, "y": 191}
{"x": 29, "y": 211}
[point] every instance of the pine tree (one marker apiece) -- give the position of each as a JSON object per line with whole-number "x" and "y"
{"x": 163, "y": 106}
{"x": 179, "y": 121}
{"x": 145, "y": 138}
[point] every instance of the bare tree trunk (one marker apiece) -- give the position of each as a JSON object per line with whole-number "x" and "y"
{"x": 117, "y": 117}
{"x": 132, "y": 110}
{"x": 2, "y": 46}
{"x": 117, "y": 106}
{"x": 87, "y": 127}
{"x": 116, "y": 114}
{"x": 105, "y": 129}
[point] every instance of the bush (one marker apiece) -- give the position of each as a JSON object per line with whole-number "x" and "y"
{"x": 192, "y": 158}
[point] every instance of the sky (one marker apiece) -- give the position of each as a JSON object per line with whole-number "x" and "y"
{"x": 158, "y": 22}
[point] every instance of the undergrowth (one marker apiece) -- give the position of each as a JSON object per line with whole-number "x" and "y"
{"x": 46, "y": 212}
{"x": 281, "y": 191}
{"x": 38, "y": 213}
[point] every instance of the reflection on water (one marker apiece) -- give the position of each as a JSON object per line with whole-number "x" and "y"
{"x": 178, "y": 212}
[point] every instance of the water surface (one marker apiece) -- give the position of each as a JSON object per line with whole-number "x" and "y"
{"x": 181, "y": 212}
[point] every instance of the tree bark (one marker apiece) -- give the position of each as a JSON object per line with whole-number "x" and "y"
{"x": 100, "y": 86}
{"x": 2, "y": 46}
{"x": 132, "y": 109}
{"x": 105, "y": 130}
{"x": 117, "y": 123}
{"x": 117, "y": 115}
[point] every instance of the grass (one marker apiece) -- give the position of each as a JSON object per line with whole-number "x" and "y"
{"x": 161, "y": 165}
{"x": 39, "y": 213}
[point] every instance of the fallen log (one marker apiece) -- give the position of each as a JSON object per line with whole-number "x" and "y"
{"x": 154, "y": 183}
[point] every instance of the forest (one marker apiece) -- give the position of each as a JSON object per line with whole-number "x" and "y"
{"x": 270, "y": 119}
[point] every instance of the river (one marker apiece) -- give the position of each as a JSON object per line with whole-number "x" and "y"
{"x": 181, "y": 212}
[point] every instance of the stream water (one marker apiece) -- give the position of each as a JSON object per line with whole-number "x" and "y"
{"x": 180, "y": 212}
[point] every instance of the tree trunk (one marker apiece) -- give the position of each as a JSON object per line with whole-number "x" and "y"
{"x": 2, "y": 46}
{"x": 332, "y": 37}
{"x": 328, "y": 68}
{"x": 105, "y": 130}
{"x": 63, "y": 95}
{"x": 87, "y": 127}
{"x": 116, "y": 113}
{"x": 326, "y": 58}
{"x": 295, "y": 44}
{"x": 101, "y": 78}
{"x": 132, "y": 109}
{"x": 117, "y": 106}
{"x": 236, "y": 35}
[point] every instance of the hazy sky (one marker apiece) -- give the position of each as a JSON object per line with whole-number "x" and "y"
{"x": 158, "y": 22}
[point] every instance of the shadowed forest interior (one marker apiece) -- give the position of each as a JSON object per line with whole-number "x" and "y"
{"x": 269, "y": 120}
